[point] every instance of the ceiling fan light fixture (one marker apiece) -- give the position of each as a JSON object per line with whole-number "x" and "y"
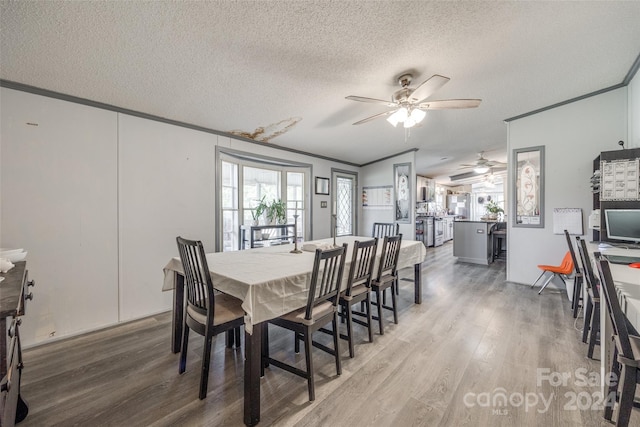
{"x": 418, "y": 115}
{"x": 409, "y": 123}
{"x": 481, "y": 169}
{"x": 399, "y": 116}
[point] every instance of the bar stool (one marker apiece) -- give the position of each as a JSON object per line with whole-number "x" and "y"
{"x": 498, "y": 239}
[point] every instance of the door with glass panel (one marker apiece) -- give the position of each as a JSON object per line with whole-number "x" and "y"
{"x": 344, "y": 202}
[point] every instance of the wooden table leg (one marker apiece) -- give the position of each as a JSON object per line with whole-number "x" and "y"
{"x": 252, "y": 362}
{"x": 417, "y": 272}
{"x": 178, "y": 313}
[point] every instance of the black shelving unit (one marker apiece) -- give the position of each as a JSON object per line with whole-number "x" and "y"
{"x": 623, "y": 154}
{"x": 258, "y": 236}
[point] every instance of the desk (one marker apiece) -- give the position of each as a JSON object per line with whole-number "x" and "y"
{"x": 270, "y": 281}
{"x": 624, "y": 277}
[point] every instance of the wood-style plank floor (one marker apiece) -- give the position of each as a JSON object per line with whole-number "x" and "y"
{"x": 475, "y": 339}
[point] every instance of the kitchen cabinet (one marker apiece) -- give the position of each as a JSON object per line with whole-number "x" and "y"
{"x": 448, "y": 228}
{"x": 472, "y": 241}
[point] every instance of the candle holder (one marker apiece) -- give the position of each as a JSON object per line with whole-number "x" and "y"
{"x": 295, "y": 235}
{"x": 335, "y": 229}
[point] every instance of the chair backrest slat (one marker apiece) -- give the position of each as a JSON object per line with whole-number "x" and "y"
{"x": 326, "y": 277}
{"x": 389, "y": 257}
{"x": 572, "y": 251}
{"x": 362, "y": 262}
{"x": 616, "y": 315}
{"x": 383, "y": 229}
{"x": 198, "y": 284}
{"x": 589, "y": 277}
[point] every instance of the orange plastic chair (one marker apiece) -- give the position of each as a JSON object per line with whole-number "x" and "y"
{"x": 563, "y": 269}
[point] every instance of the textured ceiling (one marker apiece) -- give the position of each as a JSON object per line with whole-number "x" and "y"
{"x": 239, "y": 66}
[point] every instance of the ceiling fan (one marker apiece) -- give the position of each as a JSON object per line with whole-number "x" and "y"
{"x": 483, "y": 165}
{"x": 409, "y": 105}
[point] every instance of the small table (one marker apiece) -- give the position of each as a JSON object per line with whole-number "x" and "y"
{"x": 270, "y": 281}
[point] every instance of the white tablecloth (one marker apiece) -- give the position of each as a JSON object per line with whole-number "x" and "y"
{"x": 272, "y": 281}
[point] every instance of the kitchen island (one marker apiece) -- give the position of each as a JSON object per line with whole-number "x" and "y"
{"x": 472, "y": 241}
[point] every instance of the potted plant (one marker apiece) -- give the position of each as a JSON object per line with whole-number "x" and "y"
{"x": 493, "y": 209}
{"x": 259, "y": 210}
{"x": 277, "y": 212}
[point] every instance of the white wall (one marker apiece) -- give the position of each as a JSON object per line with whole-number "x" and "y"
{"x": 166, "y": 189}
{"x": 98, "y": 197}
{"x": 634, "y": 112}
{"x": 59, "y": 201}
{"x": 380, "y": 174}
{"x": 573, "y": 136}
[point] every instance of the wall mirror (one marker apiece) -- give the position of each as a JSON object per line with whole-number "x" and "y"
{"x": 528, "y": 187}
{"x": 322, "y": 185}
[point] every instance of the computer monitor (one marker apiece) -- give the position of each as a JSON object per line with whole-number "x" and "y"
{"x": 623, "y": 224}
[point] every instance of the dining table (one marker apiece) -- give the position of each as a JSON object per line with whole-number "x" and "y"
{"x": 270, "y": 281}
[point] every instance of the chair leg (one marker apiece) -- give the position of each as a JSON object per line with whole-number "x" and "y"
{"x": 577, "y": 295}
{"x": 610, "y": 399}
{"x": 296, "y": 342}
{"x": 206, "y": 361}
{"x": 594, "y": 329}
{"x": 237, "y": 336}
{"x": 230, "y": 338}
{"x": 546, "y": 283}
{"x": 336, "y": 343}
{"x": 394, "y": 303}
{"x": 347, "y": 308}
{"x": 539, "y": 277}
{"x": 369, "y": 319}
{"x": 588, "y": 312}
{"x": 183, "y": 352}
{"x": 309, "y": 360}
{"x": 379, "y": 305}
{"x": 626, "y": 395}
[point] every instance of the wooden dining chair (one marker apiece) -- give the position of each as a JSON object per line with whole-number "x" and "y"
{"x": 321, "y": 308}
{"x": 387, "y": 277}
{"x": 358, "y": 289}
{"x": 206, "y": 313}
{"x": 578, "y": 278}
{"x": 383, "y": 229}
{"x": 591, "y": 328}
{"x": 626, "y": 355}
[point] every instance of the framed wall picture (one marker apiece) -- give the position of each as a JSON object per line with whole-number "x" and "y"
{"x": 402, "y": 192}
{"x": 528, "y": 187}
{"x": 322, "y": 186}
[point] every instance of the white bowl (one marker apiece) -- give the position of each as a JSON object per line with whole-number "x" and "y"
{"x": 13, "y": 255}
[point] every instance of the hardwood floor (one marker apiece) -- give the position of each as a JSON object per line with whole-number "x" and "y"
{"x": 445, "y": 364}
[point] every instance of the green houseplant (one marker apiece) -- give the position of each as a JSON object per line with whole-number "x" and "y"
{"x": 277, "y": 212}
{"x": 260, "y": 209}
{"x": 493, "y": 209}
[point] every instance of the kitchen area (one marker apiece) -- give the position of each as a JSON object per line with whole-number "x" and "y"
{"x": 472, "y": 216}
{"x": 436, "y": 212}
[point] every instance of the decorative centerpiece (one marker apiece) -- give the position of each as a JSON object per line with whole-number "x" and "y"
{"x": 493, "y": 210}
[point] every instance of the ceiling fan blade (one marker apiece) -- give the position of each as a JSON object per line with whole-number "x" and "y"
{"x": 428, "y": 87}
{"x": 446, "y": 104}
{"x": 377, "y": 116}
{"x": 371, "y": 100}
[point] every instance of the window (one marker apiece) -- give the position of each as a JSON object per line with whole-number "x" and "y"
{"x": 245, "y": 180}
